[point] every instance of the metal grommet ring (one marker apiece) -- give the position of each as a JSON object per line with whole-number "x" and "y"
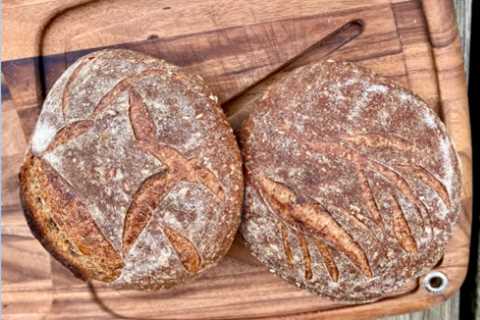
{"x": 435, "y": 282}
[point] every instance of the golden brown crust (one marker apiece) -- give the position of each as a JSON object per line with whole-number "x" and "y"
{"x": 307, "y": 216}
{"x": 145, "y": 200}
{"x": 328, "y": 259}
{"x": 63, "y": 225}
{"x": 74, "y": 130}
{"x": 136, "y": 142}
{"x": 352, "y": 183}
{"x": 189, "y": 256}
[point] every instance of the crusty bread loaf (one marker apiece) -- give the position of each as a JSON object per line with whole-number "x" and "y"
{"x": 133, "y": 176}
{"x": 352, "y": 184}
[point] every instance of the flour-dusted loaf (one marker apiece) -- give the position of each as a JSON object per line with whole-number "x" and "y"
{"x": 134, "y": 175}
{"x": 352, "y": 184}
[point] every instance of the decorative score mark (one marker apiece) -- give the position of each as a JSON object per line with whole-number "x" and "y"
{"x": 155, "y": 188}
{"x": 150, "y": 194}
{"x": 309, "y": 217}
{"x": 306, "y": 217}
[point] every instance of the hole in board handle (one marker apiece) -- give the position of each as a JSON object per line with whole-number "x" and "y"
{"x": 435, "y": 282}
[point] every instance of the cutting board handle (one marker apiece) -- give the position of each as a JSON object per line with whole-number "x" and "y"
{"x": 448, "y": 59}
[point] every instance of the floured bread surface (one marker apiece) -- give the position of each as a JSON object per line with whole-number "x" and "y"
{"x": 133, "y": 176}
{"x": 352, "y": 184}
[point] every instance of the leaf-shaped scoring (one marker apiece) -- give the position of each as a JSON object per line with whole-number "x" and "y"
{"x": 153, "y": 190}
{"x": 69, "y": 132}
{"x": 310, "y": 217}
{"x": 391, "y": 173}
{"x": 77, "y": 128}
{"x": 156, "y": 187}
{"x": 150, "y": 194}
{"x": 399, "y": 144}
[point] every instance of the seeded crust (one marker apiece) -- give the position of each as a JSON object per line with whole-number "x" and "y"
{"x": 352, "y": 183}
{"x": 133, "y": 175}
{"x": 75, "y": 241}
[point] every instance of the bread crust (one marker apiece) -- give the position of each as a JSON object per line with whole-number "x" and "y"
{"x": 352, "y": 183}
{"x": 133, "y": 142}
{"x": 62, "y": 224}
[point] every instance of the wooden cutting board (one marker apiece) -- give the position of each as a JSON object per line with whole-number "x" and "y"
{"x": 233, "y": 45}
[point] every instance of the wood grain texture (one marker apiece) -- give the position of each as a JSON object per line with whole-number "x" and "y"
{"x": 449, "y": 310}
{"x": 232, "y": 45}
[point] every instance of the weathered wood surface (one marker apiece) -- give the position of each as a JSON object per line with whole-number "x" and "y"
{"x": 232, "y": 44}
{"x": 450, "y": 309}
{"x": 463, "y": 10}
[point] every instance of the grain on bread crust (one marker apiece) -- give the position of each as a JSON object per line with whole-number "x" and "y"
{"x": 63, "y": 225}
{"x": 352, "y": 183}
{"x": 133, "y": 175}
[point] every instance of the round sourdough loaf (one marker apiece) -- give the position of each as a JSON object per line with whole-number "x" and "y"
{"x": 133, "y": 176}
{"x": 352, "y": 184}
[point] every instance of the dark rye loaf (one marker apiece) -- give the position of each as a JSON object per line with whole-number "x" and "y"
{"x": 133, "y": 176}
{"x": 352, "y": 184}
